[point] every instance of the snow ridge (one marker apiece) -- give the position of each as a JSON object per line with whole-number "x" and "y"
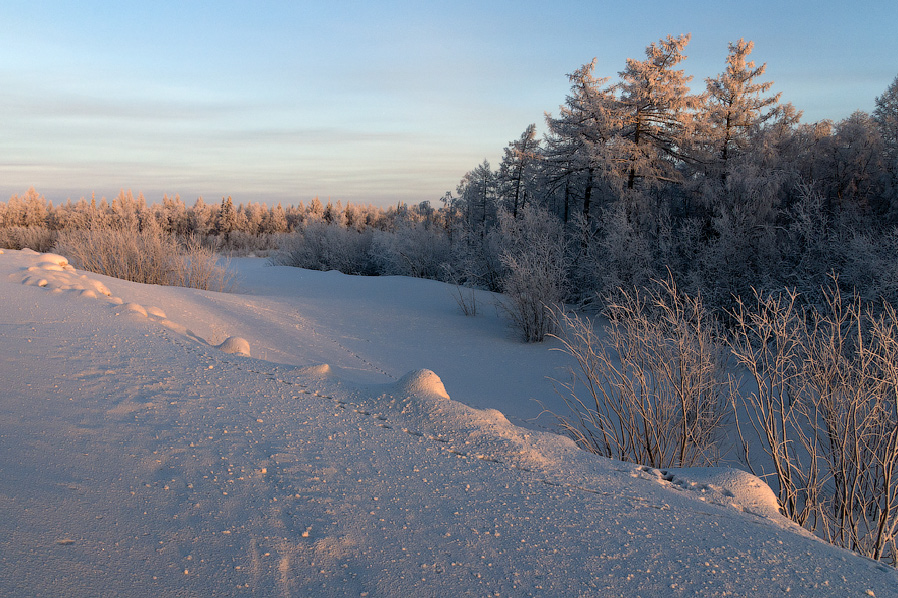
{"x": 54, "y": 273}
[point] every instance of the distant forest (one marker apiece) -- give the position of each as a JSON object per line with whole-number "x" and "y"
{"x": 637, "y": 178}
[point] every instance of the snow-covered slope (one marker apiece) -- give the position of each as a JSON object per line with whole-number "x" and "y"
{"x": 142, "y": 453}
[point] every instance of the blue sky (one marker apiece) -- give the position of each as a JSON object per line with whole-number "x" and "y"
{"x": 365, "y": 102}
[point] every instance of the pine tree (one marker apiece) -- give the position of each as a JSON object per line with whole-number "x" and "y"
{"x": 580, "y": 148}
{"x": 657, "y": 112}
{"x": 735, "y": 105}
{"x": 515, "y": 177}
{"x": 226, "y": 220}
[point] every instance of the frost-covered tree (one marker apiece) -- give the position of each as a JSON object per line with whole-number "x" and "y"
{"x": 315, "y": 210}
{"x": 124, "y": 211}
{"x": 226, "y": 219}
{"x": 477, "y": 198}
{"x": 736, "y": 105}
{"x": 851, "y": 165}
{"x": 275, "y": 220}
{"x": 580, "y": 149}
{"x": 517, "y": 171}
{"x": 200, "y": 218}
{"x": 35, "y": 209}
{"x": 886, "y": 116}
{"x": 656, "y": 109}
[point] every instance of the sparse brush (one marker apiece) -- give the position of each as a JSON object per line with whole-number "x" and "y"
{"x": 37, "y": 238}
{"x": 652, "y": 389}
{"x": 466, "y": 298}
{"x": 825, "y": 412}
{"x": 148, "y": 257}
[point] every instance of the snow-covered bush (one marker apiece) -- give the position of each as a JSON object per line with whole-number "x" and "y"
{"x": 198, "y": 267}
{"x": 412, "y": 249}
{"x": 622, "y": 254}
{"x": 323, "y": 246}
{"x": 869, "y": 266}
{"x": 37, "y": 238}
{"x": 535, "y": 277}
{"x": 474, "y": 259}
{"x": 149, "y": 256}
{"x": 652, "y": 388}
{"x": 240, "y": 243}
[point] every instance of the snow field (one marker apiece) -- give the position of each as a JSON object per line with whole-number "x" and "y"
{"x": 139, "y": 459}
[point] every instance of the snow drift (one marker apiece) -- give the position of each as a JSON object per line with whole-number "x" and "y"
{"x": 138, "y": 457}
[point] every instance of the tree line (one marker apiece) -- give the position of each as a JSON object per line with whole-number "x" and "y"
{"x": 171, "y": 215}
{"x": 725, "y": 189}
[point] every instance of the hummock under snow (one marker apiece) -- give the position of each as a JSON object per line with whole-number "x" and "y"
{"x": 144, "y": 453}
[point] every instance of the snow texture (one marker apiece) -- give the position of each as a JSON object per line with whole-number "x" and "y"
{"x": 144, "y": 453}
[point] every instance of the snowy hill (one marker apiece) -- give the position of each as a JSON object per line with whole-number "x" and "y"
{"x": 360, "y": 450}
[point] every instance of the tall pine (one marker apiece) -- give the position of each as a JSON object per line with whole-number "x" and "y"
{"x": 736, "y": 106}
{"x": 656, "y": 109}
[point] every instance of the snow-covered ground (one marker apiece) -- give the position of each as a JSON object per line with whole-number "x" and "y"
{"x": 143, "y": 454}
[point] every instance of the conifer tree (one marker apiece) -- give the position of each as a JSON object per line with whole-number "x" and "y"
{"x": 226, "y": 220}
{"x": 656, "y": 109}
{"x": 515, "y": 177}
{"x": 580, "y": 148}
{"x": 735, "y": 105}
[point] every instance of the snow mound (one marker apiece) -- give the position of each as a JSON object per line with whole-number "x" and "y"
{"x": 53, "y": 258}
{"x": 315, "y": 371}
{"x": 134, "y": 308}
{"x": 54, "y": 273}
{"x": 725, "y": 486}
{"x": 174, "y": 326}
{"x": 420, "y": 404}
{"x": 422, "y": 383}
{"x": 235, "y": 345}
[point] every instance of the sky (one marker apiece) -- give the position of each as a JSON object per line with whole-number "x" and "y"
{"x": 363, "y": 102}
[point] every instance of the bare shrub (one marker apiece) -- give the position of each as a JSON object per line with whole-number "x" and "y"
{"x": 465, "y": 297}
{"x": 770, "y": 343}
{"x": 651, "y": 387}
{"x": 37, "y": 238}
{"x": 535, "y": 271}
{"x": 826, "y": 413}
{"x": 198, "y": 267}
{"x": 148, "y": 257}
